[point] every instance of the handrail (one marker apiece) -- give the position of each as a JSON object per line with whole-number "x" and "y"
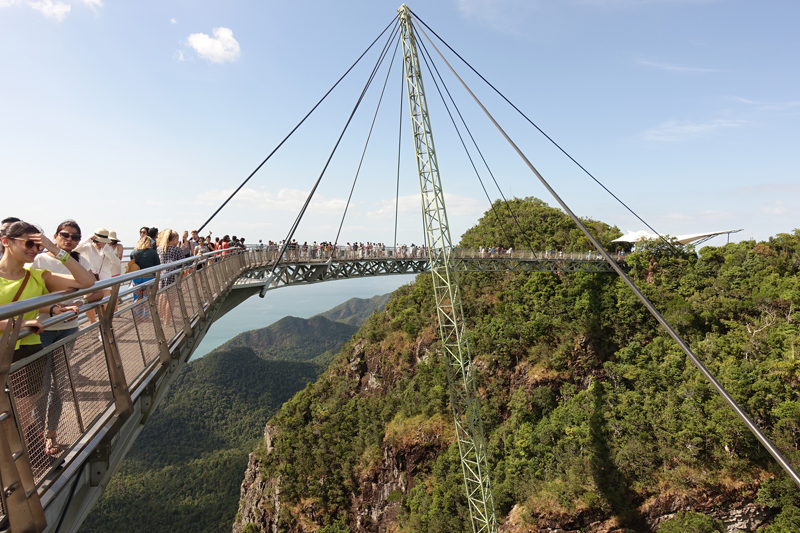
{"x": 25, "y": 306}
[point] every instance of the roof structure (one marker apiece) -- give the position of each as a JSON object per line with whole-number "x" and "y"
{"x": 696, "y": 238}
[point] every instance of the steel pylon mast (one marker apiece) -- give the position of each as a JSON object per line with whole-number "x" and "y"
{"x": 460, "y": 371}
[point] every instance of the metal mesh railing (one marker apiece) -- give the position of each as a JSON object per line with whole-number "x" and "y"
{"x": 148, "y": 340}
{"x": 130, "y": 350}
{"x": 60, "y": 392}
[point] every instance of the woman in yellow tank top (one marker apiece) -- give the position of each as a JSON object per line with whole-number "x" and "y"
{"x": 21, "y": 243}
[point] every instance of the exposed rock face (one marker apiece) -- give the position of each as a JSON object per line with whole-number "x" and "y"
{"x": 376, "y": 506}
{"x": 259, "y": 501}
{"x": 737, "y": 514}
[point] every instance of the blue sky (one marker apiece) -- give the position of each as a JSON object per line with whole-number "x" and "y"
{"x": 123, "y": 114}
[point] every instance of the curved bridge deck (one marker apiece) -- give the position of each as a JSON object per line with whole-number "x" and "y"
{"x": 110, "y": 376}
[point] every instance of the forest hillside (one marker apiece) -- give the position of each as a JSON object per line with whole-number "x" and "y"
{"x": 595, "y": 421}
{"x": 184, "y": 471}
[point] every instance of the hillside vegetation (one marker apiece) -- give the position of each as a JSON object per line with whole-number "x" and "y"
{"x": 594, "y": 419}
{"x": 184, "y": 471}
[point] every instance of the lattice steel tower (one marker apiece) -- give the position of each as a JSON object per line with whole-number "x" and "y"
{"x": 460, "y": 371}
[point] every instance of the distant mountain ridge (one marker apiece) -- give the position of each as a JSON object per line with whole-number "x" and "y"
{"x": 294, "y": 339}
{"x": 356, "y": 311}
{"x": 316, "y": 339}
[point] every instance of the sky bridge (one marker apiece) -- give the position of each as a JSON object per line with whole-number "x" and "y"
{"x": 106, "y": 380}
{"x": 111, "y": 375}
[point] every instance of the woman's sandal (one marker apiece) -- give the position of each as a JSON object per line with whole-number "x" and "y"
{"x": 51, "y": 447}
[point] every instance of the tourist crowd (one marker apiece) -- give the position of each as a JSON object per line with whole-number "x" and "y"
{"x": 325, "y": 250}
{"x": 31, "y": 265}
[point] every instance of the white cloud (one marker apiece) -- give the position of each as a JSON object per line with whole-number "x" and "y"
{"x": 51, "y": 9}
{"x": 775, "y": 208}
{"x": 674, "y": 130}
{"x": 768, "y": 106}
{"x": 218, "y": 49}
{"x": 54, "y": 9}
{"x": 173, "y": 21}
{"x": 290, "y": 200}
{"x": 673, "y": 68}
{"x": 180, "y": 55}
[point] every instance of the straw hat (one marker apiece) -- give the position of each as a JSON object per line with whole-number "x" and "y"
{"x": 101, "y": 235}
{"x": 113, "y": 236}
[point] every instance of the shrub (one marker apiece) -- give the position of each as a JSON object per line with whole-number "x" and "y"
{"x": 692, "y": 522}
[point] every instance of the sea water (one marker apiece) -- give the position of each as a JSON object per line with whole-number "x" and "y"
{"x": 302, "y": 301}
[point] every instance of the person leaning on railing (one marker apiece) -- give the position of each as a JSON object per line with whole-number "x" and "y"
{"x": 67, "y": 237}
{"x": 21, "y": 243}
{"x": 168, "y": 252}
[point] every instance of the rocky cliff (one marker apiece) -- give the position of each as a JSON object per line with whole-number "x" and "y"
{"x": 594, "y": 420}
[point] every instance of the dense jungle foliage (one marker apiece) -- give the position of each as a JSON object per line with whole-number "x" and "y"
{"x": 588, "y": 406}
{"x": 184, "y": 471}
{"x": 186, "y": 466}
{"x": 530, "y": 224}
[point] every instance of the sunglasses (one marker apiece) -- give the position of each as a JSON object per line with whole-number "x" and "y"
{"x": 29, "y": 244}
{"x": 73, "y": 236}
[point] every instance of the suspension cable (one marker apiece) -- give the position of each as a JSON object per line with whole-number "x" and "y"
{"x": 366, "y": 144}
{"x": 463, "y": 144}
{"x": 545, "y": 134}
{"x": 480, "y": 153}
{"x": 296, "y": 127}
{"x": 330, "y": 157}
{"x": 399, "y": 144}
{"x": 754, "y": 429}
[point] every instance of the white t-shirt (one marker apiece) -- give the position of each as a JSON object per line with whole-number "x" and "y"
{"x": 104, "y": 262}
{"x": 48, "y": 262}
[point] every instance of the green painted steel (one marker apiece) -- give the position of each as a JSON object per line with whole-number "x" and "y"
{"x": 460, "y": 371}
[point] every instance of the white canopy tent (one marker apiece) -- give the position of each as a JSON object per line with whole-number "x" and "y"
{"x": 697, "y": 238}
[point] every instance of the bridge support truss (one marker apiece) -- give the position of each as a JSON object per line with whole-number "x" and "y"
{"x": 460, "y": 371}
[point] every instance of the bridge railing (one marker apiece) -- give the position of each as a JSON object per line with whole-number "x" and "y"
{"x": 74, "y": 387}
{"x": 270, "y": 253}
